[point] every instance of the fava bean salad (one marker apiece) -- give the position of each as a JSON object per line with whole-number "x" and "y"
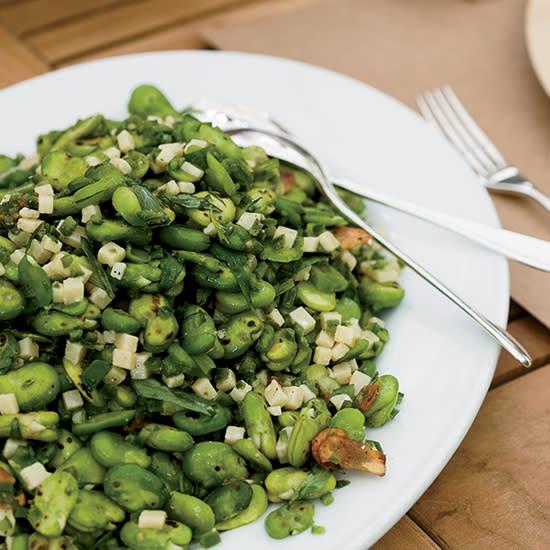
{"x": 188, "y": 332}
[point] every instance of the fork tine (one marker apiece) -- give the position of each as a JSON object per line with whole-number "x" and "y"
{"x": 475, "y": 131}
{"x": 434, "y": 113}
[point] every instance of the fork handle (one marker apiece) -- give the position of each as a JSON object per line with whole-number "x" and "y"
{"x": 515, "y": 246}
{"x": 524, "y": 188}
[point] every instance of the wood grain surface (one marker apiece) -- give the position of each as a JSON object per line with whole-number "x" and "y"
{"x": 495, "y": 492}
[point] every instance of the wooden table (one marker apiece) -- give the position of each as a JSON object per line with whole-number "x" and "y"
{"x": 495, "y": 492}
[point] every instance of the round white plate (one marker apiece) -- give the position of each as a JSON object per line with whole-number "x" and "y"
{"x": 444, "y": 361}
{"x": 537, "y": 35}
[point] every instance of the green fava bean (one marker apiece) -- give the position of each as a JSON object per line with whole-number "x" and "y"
{"x": 34, "y": 385}
{"x": 197, "y": 330}
{"x": 351, "y": 421}
{"x": 261, "y": 200}
{"x": 380, "y": 295}
{"x": 84, "y": 467}
{"x": 75, "y": 309}
{"x": 110, "y": 448}
{"x": 217, "y": 178}
{"x": 259, "y": 424}
{"x": 261, "y": 297}
{"x": 220, "y": 279}
{"x": 165, "y": 438}
{"x": 211, "y": 463}
{"x": 380, "y": 411}
{"x": 59, "y": 168}
{"x": 35, "y": 283}
{"x": 239, "y": 333}
{"x": 348, "y": 309}
{"x": 139, "y": 163}
{"x": 104, "y": 421}
{"x": 145, "y": 308}
{"x": 55, "y": 323}
{"x": 281, "y": 484}
{"x": 251, "y": 453}
{"x": 12, "y": 301}
{"x": 223, "y": 209}
{"x": 135, "y": 488}
{"x": 9, "y": 350}
{"x": 119, "y": 321}
{"x": 100, "y": 191}
{"x": 288, "y": 418}
{"x": 227, "y": 501}
{"x": 327, "y": 278}
{"x": 169, "y": 471}
{"x": 105, "y": 230}
{"x": 314, "y": 298}
{"x": 173, "y": 536}
{"x": 313, "y": 418}
{"x": 258, "y": 505}
{"x": 160, "y": 332}
{"x": 184, "y": 237}
{"x": 93, "y": 511}
{"x": 67, "y": 445}
{"x": 38, "y": 541}
{"x": 289, "y": 519}
{"x": 200, "y": 424}
{"x": 191, "y": 511}
{"x": 41, "y": 425}
{"x": 54, "y": 499}
{"x": 283, "y": 350}
{"x": 147, "y": 100}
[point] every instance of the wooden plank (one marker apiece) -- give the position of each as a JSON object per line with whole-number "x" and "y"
{"x": 17, "y": 62}
{"x": 495, "y": 491}
{"x": 187, "y": 35}
{"x": 118, "y": 25}
{"x": 406, "y": 535}
{"x": 535, "y": 337}
{"x": 24, "y": 17}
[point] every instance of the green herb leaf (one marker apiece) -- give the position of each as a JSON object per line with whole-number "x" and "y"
{"x": 102, "y": 279}
{"x": 315, "y": 481}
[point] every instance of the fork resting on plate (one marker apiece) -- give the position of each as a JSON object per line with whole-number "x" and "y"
{"x": 442, "y": 108}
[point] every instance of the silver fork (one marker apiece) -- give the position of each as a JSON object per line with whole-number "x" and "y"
{"x": 442, "y": 108}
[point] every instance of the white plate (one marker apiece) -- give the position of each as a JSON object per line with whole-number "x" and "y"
{"x": 444, "y": 361}
{"x": 537, "y": 34}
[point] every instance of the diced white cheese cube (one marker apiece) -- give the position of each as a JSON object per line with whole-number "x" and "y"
{"x": 369, "y": 336}
{"x": 172, "y": 188}
{"x": 192, "y": 170}
{"x": 44, "y": 189}
{"x": 88, "y": 212}
{"x": 29, "y": 213}
{"x": 45, "y": 204}
{"x": 73, "y": 290}
{"x": 330, "y": 319}
{"x": 115, "y": 376}
{"x": 168, "y": 151}
{"x": 277, "y": 317}
{"x": 109, "y": 336}
{"x": 152, "y": 519}
{"x": 342, "y": 373}
{"x": 289, "y": 235}
{"x": 75, "y": 352}
{"x": 111, "y": 253}
{"x": 228, "y": 382}
{"x": 11, "y": 445}
{"x": 303, "y": 274}
{"x": 112, "y": 152}
{"x": 124, "y": 359}
{"x": 17, "y": 255}
{"x": 338, "y": 351}
{"x": 328, "y": 241}
{"x": 352, "y": 364}
{"x": 72, "y": 399}
{"x": 322, "y": 355}
{"x": 121, "y": 165}
{"x": 7, "y": 521}
{"x": 233, "y": 434}
{"x": 28, "y": 162}
{"x": 186, "y": 187}
{"x": 99, "y": 297}
{"x": 295, "y": 397}
{"x": 141, "y": 370}
{"x": 308, "y": 394}
{"x": 38, "y": 252}
{"x": 310, "y": 244}
{"x": 240, "y": 390}
{"x": 172, "y": 381}
{"x": 275, "y": 410}
{"x": 275, "y": 395}
{"x": 117, "y": 270}
{"x": 324, "y": 339}
{"x": 92, "y": 160}
{"x": 33, "y": 475}
{"x": 74, "y": 238}
{"x": 339, "y": 400}
{"x": 125, "y": 141}
{"x": 281, "y": 447}
{"x": 200, "y": 143}
{"x": 204, "y": 388}
{"x": 57, "y": 292}
{"x": 344, "y": 335}
{"x": 28, "y": 225}
{"x": 359, "y": 380}
{"x": 127, "y": 342}
{"x": 248, "y": 219}
{"x": 50, "y": 245}
{"x": 28, "y": 348}
{"x": 8, "y": 403}
{"x": 349, "y": 259}
{"x": 2, "y": 269}
{"x": 301, "y": 317}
